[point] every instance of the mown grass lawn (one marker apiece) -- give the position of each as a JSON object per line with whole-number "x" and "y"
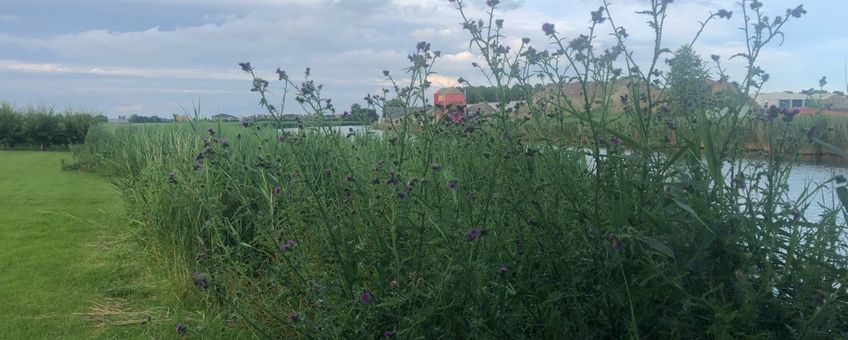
{"x": 67, "y": 270}
{"x": 49, "y": 220}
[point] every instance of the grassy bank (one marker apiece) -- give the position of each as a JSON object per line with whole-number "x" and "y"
{"x": 459, "y": 233}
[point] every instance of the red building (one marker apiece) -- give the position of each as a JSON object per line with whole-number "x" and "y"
{"x": 449, "y": 96}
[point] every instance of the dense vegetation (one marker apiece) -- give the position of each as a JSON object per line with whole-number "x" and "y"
{"x": 43, "y": 127}
{"x": 489, "y": 228}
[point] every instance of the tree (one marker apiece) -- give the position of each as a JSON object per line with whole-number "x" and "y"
{"x": 11, "y": 126}
{"x": 42, "y": 127}
{"x": 76, "y": 127}
{"x": 689, "y": 91}
{"x": 360, "y": 114}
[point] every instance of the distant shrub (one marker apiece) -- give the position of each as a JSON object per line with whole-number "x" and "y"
{"x": 43, "y": 127}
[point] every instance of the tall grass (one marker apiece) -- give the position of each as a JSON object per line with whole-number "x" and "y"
{"x": 477, "y": 228}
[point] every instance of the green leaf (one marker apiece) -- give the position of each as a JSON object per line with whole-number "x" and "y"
{"x": 710, "y": 150}
{"x": 692, "y": 213}
{"x": 658, "y": 246}
{"x": 833, "y": 148}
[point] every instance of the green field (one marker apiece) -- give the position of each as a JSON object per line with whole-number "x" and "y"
{"x": 67, "y": 268}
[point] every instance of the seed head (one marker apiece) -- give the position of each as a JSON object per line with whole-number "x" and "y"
{"x": 246, "y": 67}
{"x": 199, "y": 280}
{"x": 474, "y": 234}
{"x": 549, "y": 29}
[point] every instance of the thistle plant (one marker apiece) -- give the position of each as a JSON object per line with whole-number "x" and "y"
{"x": 617, "y": 202}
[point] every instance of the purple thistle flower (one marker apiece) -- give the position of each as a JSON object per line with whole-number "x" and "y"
{"x": 739, "y": 181}
{"x": 348, "y": 178}
{"x": 452, "y": 184}
{"x": 364, "y": 297}
{"x": 180, "y": 328}
{"x": 281, "y": 139}
{"x": 402, "y": 195}
{"x": 389, "y": 334}
{"x": 796, "y": 216}
{"x": 615, "y": 141}
{"x": 285, "y": 246}
{"x": 293, "y": 317}
{"x": 474, "y": 234}
{"x": 211, "y": 131}
{"x": 277, "y": 190}
{"x": 456, "y": 118}
{"x": 437, "y": 167}
{"x": 199, "y": 280}
{"x": 818, "y": 299}
{"x": 503, "y": 269}
{"x": 616, "y": 241}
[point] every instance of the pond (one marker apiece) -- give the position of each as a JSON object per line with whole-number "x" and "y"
{"x": 811, "y": 175}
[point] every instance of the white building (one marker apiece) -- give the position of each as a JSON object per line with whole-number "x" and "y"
{"x": 787, "y": 100}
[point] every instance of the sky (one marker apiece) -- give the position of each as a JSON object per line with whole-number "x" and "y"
{"x": 164, "y": 57}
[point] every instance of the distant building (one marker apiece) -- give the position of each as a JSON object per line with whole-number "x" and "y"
{"x": 449, "y": 96}
{"x": 511, "y": 107}
{"x": 786, "y": 100}
{"x": 224, "y": 117}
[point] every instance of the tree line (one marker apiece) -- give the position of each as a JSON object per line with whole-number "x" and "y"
{"x": 145, "y": 119}
{"x": 479, "y": 94}
{"x": 43, "y": 127}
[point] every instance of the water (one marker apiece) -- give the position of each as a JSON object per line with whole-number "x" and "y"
{"x": 804, "y": 174}
{"x": 355, "y": 129}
